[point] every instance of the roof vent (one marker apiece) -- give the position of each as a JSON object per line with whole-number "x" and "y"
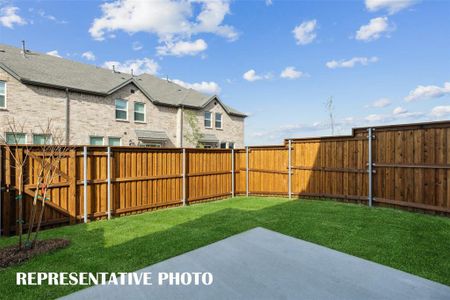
{"x": 24, "y": 51}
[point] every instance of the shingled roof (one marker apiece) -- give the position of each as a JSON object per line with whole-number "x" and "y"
{"x": 47, "y": 70}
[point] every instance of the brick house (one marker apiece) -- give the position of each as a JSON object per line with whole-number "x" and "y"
{"x": 97, "y": 106}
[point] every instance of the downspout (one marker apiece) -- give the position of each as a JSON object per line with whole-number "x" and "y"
{"x": 181, "y": 126}
{"x": 67, "y": 125}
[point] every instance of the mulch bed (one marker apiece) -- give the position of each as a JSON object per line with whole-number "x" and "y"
{"x": 10, "y": 256}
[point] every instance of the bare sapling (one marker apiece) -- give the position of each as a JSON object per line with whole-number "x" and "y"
{"x": 14, "y": 142}
{"x": 49, "y": 156}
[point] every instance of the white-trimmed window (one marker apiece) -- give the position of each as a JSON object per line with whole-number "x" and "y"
{"x": 114, "y": 141}
{"x": 139, "y": 112}
{"x": 230, "y": 145}
{"x": 2, "y": 94}
{"x": 218, "y": 121}
{"x": 208, "y": 119}
{"x": 42, "y": 139}
{"x": 17, "y": 138}
{"x": 223, "y": 145}
{"x": 121, "y": 110}
{"x": 96, "y": 140}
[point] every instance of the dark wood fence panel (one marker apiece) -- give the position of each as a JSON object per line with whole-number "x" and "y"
{"x": 413, "y": 166}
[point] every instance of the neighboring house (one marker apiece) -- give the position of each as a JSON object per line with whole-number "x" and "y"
{"x": 97, "y": 106}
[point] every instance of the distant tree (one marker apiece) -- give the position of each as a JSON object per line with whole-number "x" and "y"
{"x": 330, "y": 110}
{"x": 194, "y": 135}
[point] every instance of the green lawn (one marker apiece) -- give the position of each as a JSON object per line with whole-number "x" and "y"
{"x": 414, "y": 243}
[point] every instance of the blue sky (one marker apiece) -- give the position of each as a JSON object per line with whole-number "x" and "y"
{"x": 381, "y": 61}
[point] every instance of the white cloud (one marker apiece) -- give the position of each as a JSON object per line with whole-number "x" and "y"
{"x": 54, "y": 53}
{"x": 89, "y": 55}
{"x": 374, "y": 30}
{"x": 350, "y": 63}
{"x": 9, "y": 17}
{"x": 44, "y": 15}
{"x": 440, "y": 111}
{"x": 392, "y": 6}
{"x": 398, "y": 114}
{"x": 251, "y": 75}
{"x": 428, "y": 91}
{"x": 182, "y": 48}
{"x": 291, "y": 73}
{"x": 382, "y": 102}
{"x": 344, "y": 124}
{"x": 269, "y": 2}
{"x": 173, "y": 21}
{"x": 399, "y": 111}
{"x": 203, "y": 87}
{"x": 139, "y": 66}
{"x": 305, "y": 32}
{"x": 137, "y": 46}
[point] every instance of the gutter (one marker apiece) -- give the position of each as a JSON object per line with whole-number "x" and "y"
{"x": 67, "y": 125}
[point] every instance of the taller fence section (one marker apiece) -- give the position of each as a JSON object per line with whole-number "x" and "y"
{"x": 403, "y": 165}
{"x": 412, "y": 164}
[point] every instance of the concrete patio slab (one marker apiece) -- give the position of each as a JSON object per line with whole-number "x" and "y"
{"x": 262, "y": 264}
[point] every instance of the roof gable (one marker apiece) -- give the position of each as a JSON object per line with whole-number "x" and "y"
{"x": 46, "y": 70}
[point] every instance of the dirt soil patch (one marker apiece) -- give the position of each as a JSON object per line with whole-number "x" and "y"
{"x": 10, "y": 256}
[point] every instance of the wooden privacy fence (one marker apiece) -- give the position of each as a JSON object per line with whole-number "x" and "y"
{"x": 97, "y": 182}
{"x": 405, "y": 166}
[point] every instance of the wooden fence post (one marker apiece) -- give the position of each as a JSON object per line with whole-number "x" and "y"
{"x": 184, "y": 176}
{"x": 246, "y": 171}
{"x": 85, "y": 183}
{"x": 109, "y": 181}
{"x": 232, "y": 172}
{"x": 370, "y": 167}
{"x": 289, "y": 170}
{"x": 73, "y": 186}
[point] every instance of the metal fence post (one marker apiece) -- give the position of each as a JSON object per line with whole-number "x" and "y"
{"x": 109, "y": 183}
{"x": 232, "y": 172}
{"x": 184, "y": 176}
{"x": 1, "y": 188}
{"x": 370, "y": 167}
{"x": 85, "y": 182}
{"x": 289, "y": 170}
{"x": 246, "y": 171}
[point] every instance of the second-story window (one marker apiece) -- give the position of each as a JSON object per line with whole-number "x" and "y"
{"x": 121, "y": 110}
{"x": 218, "y": 120}
{"x": 208, "y": 121}
{"x": 139, "y": 112}
{"x": 2, "y": 94}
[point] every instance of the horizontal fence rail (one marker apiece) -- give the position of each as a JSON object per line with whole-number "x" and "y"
{"x": 406, "y": 166}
